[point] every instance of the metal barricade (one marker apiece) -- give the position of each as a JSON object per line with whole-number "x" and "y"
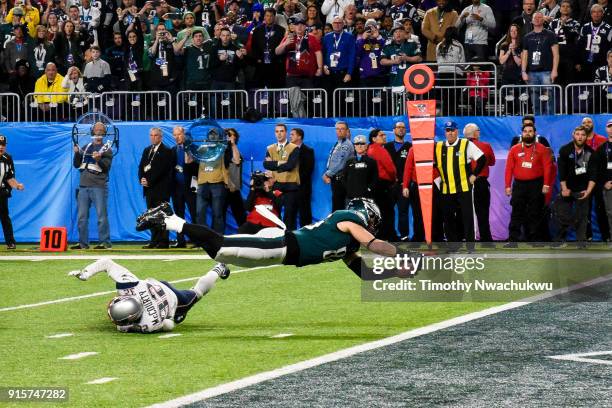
{"x": 11, "y": 109}
{"x": 59, "y": 106}
{"x": 276, "y": 103}
{"x": 521, "y": 100}
{"x": 588, "y": 98}
{"x": 137, "y": 106}
{"x": 477, "y": 100}
{"x": 361, "y": 102}
{"x": 228, "y": 104}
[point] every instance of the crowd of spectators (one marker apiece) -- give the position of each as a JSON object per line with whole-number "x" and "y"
{"x": 135, "y": 45}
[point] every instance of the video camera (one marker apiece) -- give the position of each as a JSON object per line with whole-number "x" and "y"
{"x": 259, "y": 179}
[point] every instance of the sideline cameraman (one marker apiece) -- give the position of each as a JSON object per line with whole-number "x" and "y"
{"x": 261, "y": 193}
{"x": 7, "y": 183}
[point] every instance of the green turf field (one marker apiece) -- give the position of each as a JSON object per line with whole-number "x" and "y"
{"x": 227, "y": 336}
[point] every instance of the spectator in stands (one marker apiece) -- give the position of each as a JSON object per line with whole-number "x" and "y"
{"x": 360, "y": 172}
{"x": 359, "y": 27}
{"x": 551, "y": 9}
{"x": 133, "y": 64}
{"x": 482, "y": 188}
{"x": 479, "y": 21}
{"x": 53, "y": 27}
{"x": 19, "y": 48}
{"x": 263, "y": 42}
{"x": 577, "y": 175}
{"x": 399, "y": 55}
{"x": 387, "y": 177}
{"x": 164, "y": 71}
{"x": 230, "y": 58}
{"x": 307, "y": 163}
{"x": 22, "y": 83}
{"x": 128, "y": 18}
{"x": 477, "y": 82}
{"x": 567, "y": 31}
{"x": 539, "y": 64}
{"x": 4, "y": 9}
{"x": 334, "y": 8}
{"x": 312, "y": 17}
{"x": 199, "y": 58}
{"x": 524, "y": 20}
{"x": 304, "y": 59}
{"x": 372, "y": 9}
{"x": 190, "y": 27}
{"x": 233, "y": 166}
{"x": 41, "y": 53}
{"x": 73, "y": 82}
{"x": 411, "y": 37}
{"x": 529, "y": 164}
{"x": 210, "y": 13}
{"x": 115, "y": 56}
{"x": 401, "y": 9}
{"x": 369, "y": 53}
{"x": 338, "y": 56}
{"x": 90, "y": 16}
{"x": 50, "y": 82}
{"x": 155, "y": 175}
{"x": 505, "y": 11}
{"x": 435, "y": 24}
{"x": 448, "y": 51}
{"x": 94, "y": 163}
{"x": 79, "y": 27}
{"x": 386, "y": 26}
{"x": 510, "y": 60}
{"x": 595, "y": 41}
{"x": 605, "y": 4}
{"x": 350, "y": 18}
{"x": 340, "y": 153}
{"x": 97, "y": 73}
{"x": 26, "y": 14}
{"x": 282, "y": 158}
{"x": 68, "y": 49}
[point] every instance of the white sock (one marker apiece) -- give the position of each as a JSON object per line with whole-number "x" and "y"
{"x": 174, "y": 223}
{"x": 205, "y": 283}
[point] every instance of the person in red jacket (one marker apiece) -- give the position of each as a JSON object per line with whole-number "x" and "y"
{"x": 387, "y": 176}
{"x": 482, "y": 189}
{"x": 261, "y": 193}
{"x": 529, "y": 164}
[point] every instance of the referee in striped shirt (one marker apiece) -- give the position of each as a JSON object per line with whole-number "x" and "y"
{"x": 453, "y": 160}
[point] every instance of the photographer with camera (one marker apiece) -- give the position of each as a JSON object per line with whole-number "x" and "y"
{"x": 261, "y": 193}
{"x": 369, "y": 48}
{"x": 161, "y": 52}
{"x": 7, "y": 183}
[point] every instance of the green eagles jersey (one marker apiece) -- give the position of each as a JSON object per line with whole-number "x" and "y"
{"x": 396, "y": 73}
{"x": 323, "y": 241}
{"x": 198, "y": 66}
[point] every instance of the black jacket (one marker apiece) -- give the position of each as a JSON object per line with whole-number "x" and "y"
{"x": 307, "y": 163}
{"x": 602, "y": 156}
{"x": 360, "y": 177}
{"x": 258, "y": 43}
{"x": 159, "y": 175}
{"x": 570, "y": 167}
{"x": 398, "y": 156}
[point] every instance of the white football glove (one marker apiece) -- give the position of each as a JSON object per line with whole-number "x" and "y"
{"x": 82, "y": 275}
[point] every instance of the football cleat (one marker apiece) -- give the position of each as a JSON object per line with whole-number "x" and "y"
{"x": 154, "y": 217}
{"x": 222, "y": 270}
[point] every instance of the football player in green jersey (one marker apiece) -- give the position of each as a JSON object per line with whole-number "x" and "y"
{"x": 339, "y": 236}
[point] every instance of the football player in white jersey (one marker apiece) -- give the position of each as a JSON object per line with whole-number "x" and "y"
{"x": 147, "y": 306}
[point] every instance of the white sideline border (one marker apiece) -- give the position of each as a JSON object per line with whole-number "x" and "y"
{"x": 351, "y": 351}
{"x": 583, "y": 357}
{"x": 108, "y": 292}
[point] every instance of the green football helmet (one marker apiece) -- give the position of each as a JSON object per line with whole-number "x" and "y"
{"x": 368, "y": 209}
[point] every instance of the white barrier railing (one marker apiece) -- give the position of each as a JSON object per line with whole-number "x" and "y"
{"x": 11, "y": 109}
{"x": 59, "y": 106}
{"x": 226, "y": 104}
{"x": 588, "y": 98}
{"x": 291, "y": 102}
{"x": 137, "y": 106}
{"x": 520, "y": 100}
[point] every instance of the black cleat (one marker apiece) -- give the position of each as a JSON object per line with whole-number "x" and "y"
{"x": 154, "y": 217}
{"x": 222, "y": 270}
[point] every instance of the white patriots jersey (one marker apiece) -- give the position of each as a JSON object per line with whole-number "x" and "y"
{"x": 159, "y": 303}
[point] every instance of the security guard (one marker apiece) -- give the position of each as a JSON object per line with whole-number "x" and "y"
{"x": 577, "y": 176}
{"x": 529, "y": 120}
{"x": 603, "y": 162}
{"x": 453, "y": 160}
{"x": 7, "y": 183}
{"x": 482, "y": 189}
{"x": 529, "y": 164}
{"x": 336, "y": 162}
{"x": 361, "y": 171}
{"x": 283, "y": 159}
{"x": 398, "y": 149}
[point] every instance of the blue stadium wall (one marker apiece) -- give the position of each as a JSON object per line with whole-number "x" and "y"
{"x": 43, "y": 160}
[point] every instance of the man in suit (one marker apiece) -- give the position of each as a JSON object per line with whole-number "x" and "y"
{"x": 398, "y": 149}
{"x": 155, "y": 174}
{"x": 307, "y": 162}
{"x": 184, "y": 169}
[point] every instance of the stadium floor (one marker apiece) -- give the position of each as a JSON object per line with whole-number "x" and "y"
{"x": 500, "y": 360}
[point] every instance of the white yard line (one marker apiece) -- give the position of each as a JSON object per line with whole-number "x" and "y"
{"x": 102, "y": 380}
{"x": 167, "y": 336}
{"x": 73, "y": 298}
{"x": 78, "y": 356}
{"x": 341, "y": 354}
{"x": 281, "y": 335}
{"x": 582, "y": 357}
{"x": 59, "y": 335}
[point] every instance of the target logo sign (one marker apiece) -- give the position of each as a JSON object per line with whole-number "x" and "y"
{"x": 419, "y": 79}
